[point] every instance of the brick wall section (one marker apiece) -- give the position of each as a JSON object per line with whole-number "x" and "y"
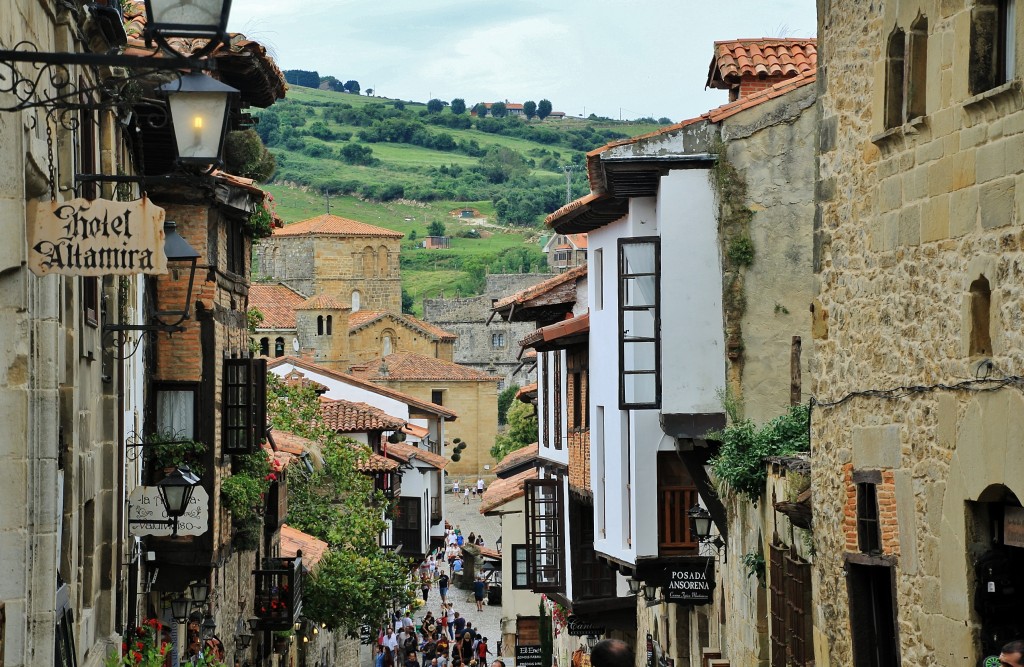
{"x": 579, "y": 439}
{"x": 751, "y": 85}
{"x": 888, "y": 524}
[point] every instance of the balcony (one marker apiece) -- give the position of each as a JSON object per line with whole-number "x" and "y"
{"x": 279, "y": 592}
{"x": 673, "y": 523}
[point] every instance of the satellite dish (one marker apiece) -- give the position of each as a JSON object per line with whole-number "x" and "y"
{"x": 295, "y": 344}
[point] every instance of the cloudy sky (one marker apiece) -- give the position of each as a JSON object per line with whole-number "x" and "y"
{"x": 610, "y": 57}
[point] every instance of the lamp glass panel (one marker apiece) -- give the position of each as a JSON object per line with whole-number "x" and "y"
{"x": 198, "y": 123}
{"x": 199, "y": 13}
{"x": 174, "y": 497}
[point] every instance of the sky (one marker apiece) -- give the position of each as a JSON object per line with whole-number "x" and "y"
{"x": 616, "y": 58}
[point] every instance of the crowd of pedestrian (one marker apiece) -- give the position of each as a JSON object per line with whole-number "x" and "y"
{"x": 447, "y": 638}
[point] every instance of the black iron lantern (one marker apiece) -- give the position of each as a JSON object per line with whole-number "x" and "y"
{"x": 199, "y": 590}
{"x": 175, "y": 493}
{"x": 634, "y": 586}
{"x": 700, "y": 523}
{"x": 242, "y": 640}
{"x": 199, "y": 112}
{"x": 180, "y": 607}
{"x": 209, "y": 627}
{"x": 187, "y": 18}
{"x": 254, "y": 624}
{"x": 650, "y": 592}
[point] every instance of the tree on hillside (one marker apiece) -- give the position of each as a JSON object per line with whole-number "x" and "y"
{"x": 301, "y": 77}
{"x": 505, "y": 399}
{"x": 407, "y": 301}
{"x": 480, "y": 109}
{"x": 245, "y": 155}
{"x": 543, "y": 109}
{"x": 352, "y": 86}
{"x": 435, "y": 105}
{"x": 399, "y": 104}
{"x": 499, "y": 110}
{"x": 501, "y": 164}
{"x": 664, "y": 120}
{"x": 435, "y": 228}
{"x": 458, "y": 106}
{"x": 530, "y": 109}
{"x": 369, "y": 91}
{"x": 522, "y": 430}
{"x": 331, "y": 83}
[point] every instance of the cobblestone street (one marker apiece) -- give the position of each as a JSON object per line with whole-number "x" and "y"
{"x": 488, "y": 622}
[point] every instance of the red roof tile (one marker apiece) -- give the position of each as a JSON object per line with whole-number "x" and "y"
{"x": 294, "y": 540}
{"x": 348, "y": 417}
{"x": 321, "y": 302}
{"x": 502, "y": 491}
{"x": 412, "y": 401}
{"x": 290, "y": 443}
{"x": 540, "y": 288}
{"x": 517, "y": 457}
{"x": 277, "y": 303}
{"x": 579, "y": 240}
{"x": 402, "y": 452}
{"x": 564, "y": 329}
{"x": 409, "y": 366}
{"x": 337, "y": 226}
{"x": 761, "y": 58}
{"x": 528, "y": 393}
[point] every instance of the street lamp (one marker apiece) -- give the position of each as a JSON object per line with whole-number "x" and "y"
{"x": 242, "y": 640}
{"x": 209, "y": 627}
{"x": 187, "y": 18}
{"x": 200, "y": 590}
{"x": 634, "y": 586}
{"x": 700, "y": 527}
{"x": 199, "y": 112}
{"x": 650, "y": 592}
{"x": 175, "y": 493}
{"x": 180, "y": 608}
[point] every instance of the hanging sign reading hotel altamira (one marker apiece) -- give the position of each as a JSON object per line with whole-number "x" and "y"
{"x": 98, "y": 237}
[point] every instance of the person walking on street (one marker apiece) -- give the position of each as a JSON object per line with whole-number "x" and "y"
{"x": 455, "y": 487}
{"x": 1012, "y": 654}
{"x": 479, "y": 589}
{"x": 480, "y": 488}
{"x": 611, "y": 653}
{"x": 465, "y": 496}
{"x": 442, "y": 587}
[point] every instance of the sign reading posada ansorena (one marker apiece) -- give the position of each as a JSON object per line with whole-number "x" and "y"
{"x": 97, "y": 237}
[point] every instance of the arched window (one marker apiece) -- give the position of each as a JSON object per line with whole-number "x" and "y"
{"x": 355, "y": 301}
{"x": 917, "y": 68}
{"x": 894, "y": 62}
{"x": 388, "y": 344}
{"x": 279, "y": 347}
{"x": 319, "y": 325}
{"x": 382, "y": 261}
{"x": 369, "y": 261}
{"x": 981, "y": 307}
{"x": 330, "y": 324}
{"x": 265, "y": 346}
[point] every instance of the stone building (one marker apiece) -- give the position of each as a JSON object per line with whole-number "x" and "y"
{"x": 329, "y": 333}
{"x": 467, "y": 391}
{"x": 916, "y": 458}
{"x": 566, "y": 251}
{"x": 352, "y": 261}
{"x": 489, "y": 347}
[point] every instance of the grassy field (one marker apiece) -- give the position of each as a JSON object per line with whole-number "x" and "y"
{"x": 425, "y": 273}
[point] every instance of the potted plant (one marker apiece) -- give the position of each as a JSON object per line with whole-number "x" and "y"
{"x": 166, "y": 450}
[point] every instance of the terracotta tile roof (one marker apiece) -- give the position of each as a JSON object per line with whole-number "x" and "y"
{"x": 321, "y": 302}
{"x": 412, "y": 401}
{"x": 528, "y": 393}
{"x": 579, "y": 240}
{"x": 294, "y": 540}
{"x": 760, "y": 58}
{"x": 559, "y": 331}
{"x": 516, "y": 458}
{"x": 337, "y": 226}
{"x": 290, "y": 443}
{"x": 415, "y": 430}
{"x": 409, "y": 366}
{"x": 295, "y": 378}
{"x": 277, "y": 302}
{"x": 502, "y": 491}
{"x": 243, "y": 63}
{"x": 349, "y": 417}
{"x": 488, "y": 552}
{"x": 402, "y": 452}
{"x": 540, "y": 288}
{"x": 372, "y": 463}
{"x": 363, "y": 318}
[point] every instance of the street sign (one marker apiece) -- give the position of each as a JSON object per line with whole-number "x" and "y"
{"x": 577, "y": 627}
{"x": 144, "y": 505}
{"x": 365, "y": 635}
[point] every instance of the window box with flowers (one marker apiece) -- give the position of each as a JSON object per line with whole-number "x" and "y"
{"x": 144, "y": 647}
{"x": 243, "y": 494}
{"x": 165, "y": 451}
{"x": 278, "y": 592}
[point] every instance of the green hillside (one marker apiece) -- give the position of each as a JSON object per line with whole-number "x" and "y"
{"x": 397, "y": 165}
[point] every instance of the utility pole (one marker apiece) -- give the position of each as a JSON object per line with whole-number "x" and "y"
{"x": 327, "y": 200}
{"x": 568, "y": 183}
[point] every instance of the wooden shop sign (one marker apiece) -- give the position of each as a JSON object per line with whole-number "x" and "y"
{"x": 97, "y": 237}
{"x": 577, "y": 627}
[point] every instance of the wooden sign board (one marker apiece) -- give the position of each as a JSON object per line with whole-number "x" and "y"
{"x": 97, "y": 237}
{"x": 144, "y": 505}
{"x": 691, "y": 581}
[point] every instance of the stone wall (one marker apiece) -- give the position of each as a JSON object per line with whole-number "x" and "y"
{"x": 908, "y": 219}
{"x": 477, "y": 345}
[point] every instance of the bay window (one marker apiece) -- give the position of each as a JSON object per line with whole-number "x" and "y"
{"x": 639, "y": 323}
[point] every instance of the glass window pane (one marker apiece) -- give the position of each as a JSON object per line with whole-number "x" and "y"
{"x": 640, "y": 389}
{"x": 638, "y": 323}
{"x": 639, "y": 356}
{"x": 175, "y": 412}
{"x": 638, "y": 291}
{"x": 638, "y": 258}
